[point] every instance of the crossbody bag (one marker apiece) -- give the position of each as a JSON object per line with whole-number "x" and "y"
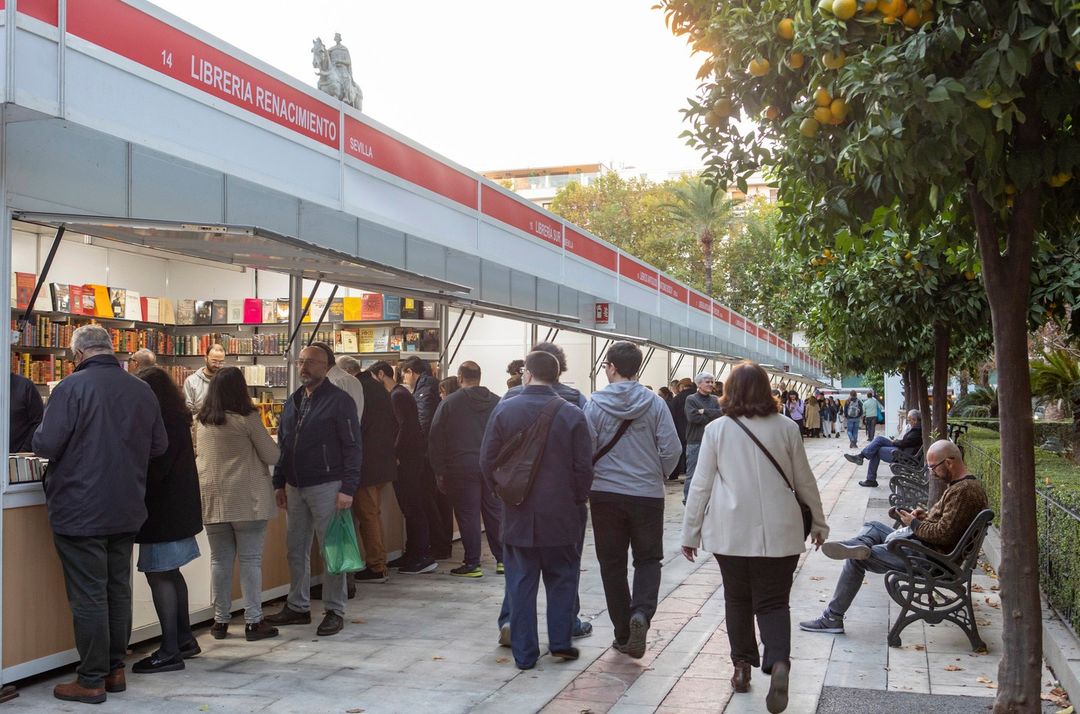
{"x": 807, "y": 516}
{"x": 614, "y": 440}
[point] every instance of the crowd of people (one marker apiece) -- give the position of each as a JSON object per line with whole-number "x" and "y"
{"x": 528, "y": 471}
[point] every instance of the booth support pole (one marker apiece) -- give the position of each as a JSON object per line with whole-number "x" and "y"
{"x": 296, "y": 305}
{"x": 592, "y": 361}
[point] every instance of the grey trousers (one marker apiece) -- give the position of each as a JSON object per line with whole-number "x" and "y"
{"x": 229, "y": 541}
{"x": 881, "y": 560}
{"x": 309, "y": 512}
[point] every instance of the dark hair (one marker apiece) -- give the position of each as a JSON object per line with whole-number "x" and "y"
{"x": 170, "y": 398}
{"x": 214, "y": 346}
{"x": 228, "y": 392}
{"x": 543, "y": 365}
{"x": 380, "y": 368}
{"x": 748, "y": 392}
{"x": 415, "y": 364}
{"x": 514, "y": 368}
{"x": 626, "y": 357}
{"x": 665, "y": 393}
{"x": 330, "y": 359}
{"x": 469, "y": 370}
{"x": 554, "y": 350}
{"x": 514, "y": 380}
{"x": 718, "y": 388}
{"x": 449, "y": 385}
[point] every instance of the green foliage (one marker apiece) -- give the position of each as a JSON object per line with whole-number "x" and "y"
{"x": 979, "y": 403}
{"x": 1055, "y": 377}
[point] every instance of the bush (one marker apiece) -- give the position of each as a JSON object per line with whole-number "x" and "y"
{"x": 1043, "y": 429}
{"x": 1057, "y": 515}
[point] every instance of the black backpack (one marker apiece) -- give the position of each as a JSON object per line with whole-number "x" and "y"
{"x": 519, "y": 459}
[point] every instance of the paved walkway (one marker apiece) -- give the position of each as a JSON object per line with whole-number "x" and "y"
{"x": 428, "y": 643}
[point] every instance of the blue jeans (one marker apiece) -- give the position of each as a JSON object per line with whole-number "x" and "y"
{"x": 560, "y": 567}
{"x": 473, "y": 500}
{"x": 853, "y": 431}
{"x": 692, "y": 451}
{"x": 878, "y": 450}
{"x": 881, "y": 560}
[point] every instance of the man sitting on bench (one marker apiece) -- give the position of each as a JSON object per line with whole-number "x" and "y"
{"x": 882, "y": 448}
{"x": 940, "y": 529}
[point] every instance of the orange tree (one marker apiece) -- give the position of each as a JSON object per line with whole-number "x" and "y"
{"x": 961, "y": 108}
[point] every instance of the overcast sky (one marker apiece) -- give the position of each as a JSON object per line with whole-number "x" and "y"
{"x": 490, "y": 83}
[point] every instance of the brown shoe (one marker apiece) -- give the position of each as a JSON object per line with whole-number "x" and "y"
{"x": 75, "y": 692}
{"x": 219, "y": 630}
{"x": 777, "y": 699}
{"x": 740, "y": 679}
{"x": 115, "y": 682}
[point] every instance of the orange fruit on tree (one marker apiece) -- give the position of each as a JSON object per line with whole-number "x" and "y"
{"x": 839, "y": 108}
{"x": 825, "y": 7}
{"x": 888, "y": 19}
{"x": 796, "y": 60}
{"x": 809, "y": 127}
{"x": 912, "y": 18}
{"x": 772, "y": 113}
{"x": 715, "y": 120}
{"x": 969, "y": 275}
{"x": 844, "y": 9}
{"x": 822, "y": 115}
{"x": 892, "y": 8}
{"x": 869, "y": 6}
{"x": 985, "y": 101}
{"x": 833, "y": 60}
{"x": 822, "y": 98}
{"x": 786, "y": 28}
{"x": 722, "y": 106}
{"x": 1010, "y": 189}
{"x": 758, "y": 67}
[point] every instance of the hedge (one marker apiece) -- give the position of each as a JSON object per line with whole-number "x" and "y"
{"x": 1057, "y": 515}
{"x": 1060, "y": 430}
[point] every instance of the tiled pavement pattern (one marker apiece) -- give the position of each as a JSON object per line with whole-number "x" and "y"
{"x": 427, "y": 643}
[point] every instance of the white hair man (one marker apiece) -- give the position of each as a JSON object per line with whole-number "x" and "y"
{"x": 701, "y": 408}
{"x": 882, "y": 448}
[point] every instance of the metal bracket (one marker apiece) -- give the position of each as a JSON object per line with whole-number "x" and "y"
{"x": 25, "y": 319}
{"x": 461, "y": 340}
{"x": 600, "y": 358}
{"x": 322, "y": 315}
{"x": 300, "y": 317}
{"x": 675, "y": 369}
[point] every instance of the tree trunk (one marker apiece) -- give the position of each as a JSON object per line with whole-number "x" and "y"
{"x": 1008, "y": 280}
{"x": 965, "y": 381}
{"x": 922, "y": 396}
{"x": 942, "y": 338}
{"x": 707, "y": 258}
{"x": 910, "y": 401}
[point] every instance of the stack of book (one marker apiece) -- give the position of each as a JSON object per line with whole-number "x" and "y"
{"x": 26, "y": 468}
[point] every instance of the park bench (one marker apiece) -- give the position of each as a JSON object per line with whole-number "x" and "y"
{"x": 936, "y": 587}
{"x": 908, "y": 493}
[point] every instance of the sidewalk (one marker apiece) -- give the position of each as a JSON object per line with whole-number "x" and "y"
{"x": 429, "y": 643}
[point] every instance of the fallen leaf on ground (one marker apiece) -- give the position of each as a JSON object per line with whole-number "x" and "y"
{"x": 981, "y": 622}
{"x": 982, "y": 679}
{"x": 991, "y": 603}
{"x": 976, "y": 588}
{"x": 919, "y": 648}
{"x": 354, "y": 711}
{"x": 1057, "y": 696}
{"x": 502, "y": 660}
{"x": 1067, "y": 710}
{"x": 436, "y": 657}
{"x": 995, "y": 588}
{"x": 953, "y": 668}
{"x": 359, "y": 621}
{"x": 817, "y": 577}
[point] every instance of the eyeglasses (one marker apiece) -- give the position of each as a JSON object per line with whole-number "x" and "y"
{"x": 302, "y": 362}
{"x": 521, "y": 370}
{"x": 933, "y": 467}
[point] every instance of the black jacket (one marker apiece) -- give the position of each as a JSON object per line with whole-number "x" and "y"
{"x": 426, "y": 394}
{"x": 563, "y": 390}
{"x": 378, "y": 433}
{"x": 100, "y": 429}
{"x": 326, "y": 447}
{"x": 458, "y": 430}
{"x": 409, "y": 445}
{"x": 26, "y": 411}
{"x": 911, "y": 440}
{"x": 173, "y": 506}
{"x": 677, "y": 405}
{"x": 696, "y": 423}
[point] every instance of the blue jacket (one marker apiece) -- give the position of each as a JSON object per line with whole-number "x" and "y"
{"x": 100, "y": 428}
{"x": 327, "y": 445}
{"x": 551, "y": 514}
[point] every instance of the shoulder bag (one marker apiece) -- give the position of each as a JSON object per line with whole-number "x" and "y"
{"x": 519, "y": 459}
{"x": 807, "y": 516}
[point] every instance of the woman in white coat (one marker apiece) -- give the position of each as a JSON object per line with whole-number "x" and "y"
{"x": 741, "y": 509}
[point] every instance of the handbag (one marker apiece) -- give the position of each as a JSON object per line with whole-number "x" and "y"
{"x": 807, "y": 516}
{"x": 614, "y": 440}
{"x": 340, "y": 550}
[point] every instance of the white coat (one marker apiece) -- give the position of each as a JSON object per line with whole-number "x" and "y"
{"x": 738, "y": 504}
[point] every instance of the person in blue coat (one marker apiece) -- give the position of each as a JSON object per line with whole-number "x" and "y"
{"x": 540, "y": 535}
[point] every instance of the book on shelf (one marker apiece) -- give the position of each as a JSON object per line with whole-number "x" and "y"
{"x": 351, "y": 309}
{"x": 167, "y": 311}
{"x": 381, "y": 342}
{"x": 235, "y": 310}
{"x": 410, "y": 309}
{"x": 252, "y": 311}
{"x": 26, "y": 468}
{"x": 396, "y": 340}
{"x": 337, "y": 310}
{"x": 61, "y": 299}
{"x": 204, "y": 312}
{"x": 75, "y": 299}
{"x": 269, "y": 311}
{"x": 22, "y": 288}
{"x": 365, "y": 339}
{"x": 427, "y": 310}
{"x": 100, "y": 305}
{"x": 348, "y": 342}
{"x": 117, "y": 301}
{"x": 411, "y": 340}
{"x": 133, "y": 306}
{"x": 151, "y": 309}
{"x": 220, "y": 313}
{"x": 429, "y": 340}
{"x": 281, "y": 313}
{"x": 371, "y": 307}
{"x": 391, "y": 307}
{"x": 185, "y": 311}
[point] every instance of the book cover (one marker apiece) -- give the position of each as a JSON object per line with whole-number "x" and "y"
{"x": 185, "y": 311}
{"x": 269, "y": 311}
{"x": 427, "y": 310}
{"x": 133, "y": 306}
{"x": 204, "y": 312}
{"x": 61, "y": 299}
{"x": 382, "y": 340}
{"x": 351, "y": 309}
{"x": 371, "y": 306}
{"x": 391, "y": 307}
{"x": 252, "y": 311}
{"x": 349, "y": 342}
{"x": 152, "y": 313}
{"x": 410, "y": 310}
{"x": 396, "y": 340}
{"x": 219, "y": 314}
{"x": 76, "y": 293}
{"x": 24, "y": 288}
{"x": 412, "y": 340}
{"x": 102, "y": 303}
{"x": 366, "y": 338}
{"x": 316, "y": 311}
{"x": 429, "y": 340}
{"x": 236, "y": 311}
{"x": 118, "y": 301}
{"x": 167, "y": 311}
{"x": 282, "y": 310}
{"x": 337, "y": 310}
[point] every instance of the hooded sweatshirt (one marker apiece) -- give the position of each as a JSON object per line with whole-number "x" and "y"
{"x": 646, "y": 453}
{"x": 457, "y": 430}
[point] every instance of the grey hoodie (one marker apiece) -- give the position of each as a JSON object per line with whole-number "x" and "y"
{"x": 649, "y": 449}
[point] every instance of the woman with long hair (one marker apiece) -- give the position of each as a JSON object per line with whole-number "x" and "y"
{"x": 745, "y": 507}
{"x": 235, "y": 453}
{"x": 167, "y": 538}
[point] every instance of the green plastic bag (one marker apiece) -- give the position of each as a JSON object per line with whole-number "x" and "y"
{"x": 341, "y": 554}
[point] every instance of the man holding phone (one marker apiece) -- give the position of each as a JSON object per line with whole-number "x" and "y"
{"x": 941, "y": 528}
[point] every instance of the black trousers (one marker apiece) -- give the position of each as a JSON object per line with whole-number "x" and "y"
{"x": 440, "y": 513}
{"x": 412, "y": 494}
{"x": 758, "y": 587}
{"x": 97, "y": 576}
{"x": 636, "y": 523}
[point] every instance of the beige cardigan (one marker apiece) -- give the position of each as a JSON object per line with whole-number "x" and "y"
{"x": 234, "y": 476}
{"x": 738, "y": 504}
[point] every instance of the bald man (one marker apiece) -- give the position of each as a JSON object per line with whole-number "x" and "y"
{"x": 941, "y": 528}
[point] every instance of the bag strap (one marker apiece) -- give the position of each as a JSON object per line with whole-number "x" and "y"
{"x": 768, "y": 455}
{"x": 614, "y": 440}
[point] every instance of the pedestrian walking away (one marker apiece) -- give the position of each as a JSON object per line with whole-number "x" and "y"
{"x": 853, "y": 414}
{"x": 416, "y": 375}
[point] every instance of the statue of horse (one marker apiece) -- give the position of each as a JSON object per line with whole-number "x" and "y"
{"x": 331, "y": 80}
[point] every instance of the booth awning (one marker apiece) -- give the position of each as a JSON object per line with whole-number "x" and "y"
{"x": 252, "y": 247}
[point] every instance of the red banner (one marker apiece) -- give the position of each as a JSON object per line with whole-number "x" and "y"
{"x": 773, "y": 340}
{"x": 142, "y": 38}
{"x": 700, "y": 302}
{"x": 398, "y": 158}
{"x": 722, "y": 313}
{"x": 517, "y": 214}
{"x": 585, "y": 247}
{"x": 738, "y": 322}
{"x": 672, "y": 289}
{"x": 630, "y": 268}
{"x": 44, "y": 10}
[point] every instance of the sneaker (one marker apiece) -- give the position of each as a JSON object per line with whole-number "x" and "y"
{"x": 219, "y": 630}
{"x": 259, "y": 631}
{"x": 639, "y": 630}
{"x": 581, "y": 629}
{"x": 839, "y": 550}
{"x": 330, "y": 625}
{"x": 500, "y": 569}
{"x": 468, "y": 571}
{"x": 289, "y": 616}
{"x": 157, "y": 663}
{"x": 868, "y": 484}
{"x": 825, "y": 623}
{"x": 504, "y": 636}
{"x": 367, "y": 575}
{"x": 423, "y": 566}
{"x": 856, "y": 459}
{"x": 398, "y": 562}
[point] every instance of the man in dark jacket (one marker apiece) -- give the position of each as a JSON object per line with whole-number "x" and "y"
{"x": 25, "y": 414}
{"x": 565, "y": 391}
{"x": 416, "y": 374}
{"x": 540, "y": 535}
{"x": 99, "y": 431}
{"x": 701, "y": 408}
{"x": 315, "y": 477}
{"x": 411, "y": 487}
{"x": 677, "y": 405}
{"x": 882, "y": 448}
{"x": 457, "y": 432}
{"x": 378, "y": 433}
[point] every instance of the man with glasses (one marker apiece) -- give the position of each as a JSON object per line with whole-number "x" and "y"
{"x": 315, "y": 477}
{"x": 196, "y": 385}
{"x": 941, "y": 528}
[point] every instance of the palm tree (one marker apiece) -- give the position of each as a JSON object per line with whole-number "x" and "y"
{"x": 703, "y": 210}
